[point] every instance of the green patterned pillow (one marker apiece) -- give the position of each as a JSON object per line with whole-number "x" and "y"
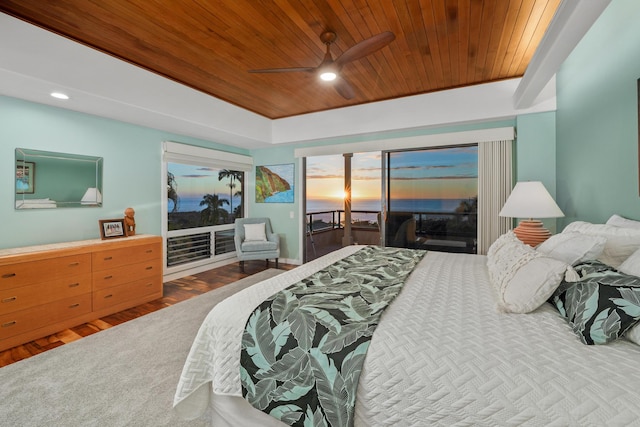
{"x": 602, "y": 305}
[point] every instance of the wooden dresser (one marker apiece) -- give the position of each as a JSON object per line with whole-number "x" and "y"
{"x": 48, "y": 288}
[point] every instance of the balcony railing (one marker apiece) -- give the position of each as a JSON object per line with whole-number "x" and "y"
{"x": 200, "y": 245}
{"x": 329, "y": 220}
{"x": 448, "y": 231}
{"x": 427, "y": 223}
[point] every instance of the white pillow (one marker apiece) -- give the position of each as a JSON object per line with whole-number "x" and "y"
{"x": 631, "y": 266}
{"x": 621, "y": 242}
{"x": 254, "y": 233}
{"x": 506, "y": 239}
{"x": 619, "y": 221}
{"x": 522, "y": 278}
{"x": 633, "y": 334}
{"x": 572, "y": 247}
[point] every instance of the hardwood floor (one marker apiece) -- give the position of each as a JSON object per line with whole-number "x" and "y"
{"x": 174, "y": 292}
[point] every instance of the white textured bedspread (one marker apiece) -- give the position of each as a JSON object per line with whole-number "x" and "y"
{"x": 443, "y": 355}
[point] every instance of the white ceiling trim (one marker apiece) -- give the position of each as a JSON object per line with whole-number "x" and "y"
{"x": 570, "y": 23}
{"x": 472, "y": 104}
{"x": 421, "y": 141}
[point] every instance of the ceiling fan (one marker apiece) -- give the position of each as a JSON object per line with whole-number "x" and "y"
{"x": 329, "y": 69}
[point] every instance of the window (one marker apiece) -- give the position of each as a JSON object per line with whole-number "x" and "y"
{"x": 200, "y": 196}
{"x": 205, "y": 193}
{"x": 432, "y": 198}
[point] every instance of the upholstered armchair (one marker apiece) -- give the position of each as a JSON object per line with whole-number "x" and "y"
{"x": 255, "y": 239}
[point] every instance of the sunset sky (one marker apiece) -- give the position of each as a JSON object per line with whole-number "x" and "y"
{"x": 449, "y": 173}
{"x": 198, "y": 180}
{"x": 431, "y": 174}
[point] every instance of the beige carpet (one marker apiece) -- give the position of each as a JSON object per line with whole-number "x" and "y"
{"x": 123, "y": 376}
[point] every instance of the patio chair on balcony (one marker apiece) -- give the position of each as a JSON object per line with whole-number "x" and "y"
{"x": 254, "y": 239}
{"x": 406, "y": 235}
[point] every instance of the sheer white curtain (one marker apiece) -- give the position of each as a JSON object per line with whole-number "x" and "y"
{"x": 495, "y": 179}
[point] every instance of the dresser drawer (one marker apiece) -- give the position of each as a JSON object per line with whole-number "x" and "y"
{"x": 37, "y": 317}
{"x": 30, "y": 296}
{"x": 116, "y": 295}
{"x": 121, "y": 275}
{"x": 107, "y": 259}
{"x": 46, "y": 270}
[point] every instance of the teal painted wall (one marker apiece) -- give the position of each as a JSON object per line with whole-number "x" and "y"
{"x": 597, "y": 119}
{"x": 132, "y": 169}
{"x": 280, "y": 214}
{"x": 535, "y": 158}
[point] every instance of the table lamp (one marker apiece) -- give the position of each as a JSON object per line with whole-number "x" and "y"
{"x": 530, "y": 199}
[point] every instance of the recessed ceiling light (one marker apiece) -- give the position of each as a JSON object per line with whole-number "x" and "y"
{"x": 59, "y": 95}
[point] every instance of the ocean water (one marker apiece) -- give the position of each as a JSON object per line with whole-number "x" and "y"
{"x": 192, "y": 204}
{"x": 403, "y": 205}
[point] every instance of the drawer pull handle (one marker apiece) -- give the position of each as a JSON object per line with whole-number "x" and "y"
{"x": 149, "y": 268}
{"x": 149, "y": 251}
{"x": 74, "y": 306}
{"x": 108, "y": 296}
{"x": 109, "y": 258}
{"x": 74, "y": 264}
{"x": 10, "y": 299}
{"x": 108, "y": 277}
{"x": 74, "y": 285}
{"x": 6, "y": 325}
{"x": 149, "y": 284}
{"x": 8, "y": 275}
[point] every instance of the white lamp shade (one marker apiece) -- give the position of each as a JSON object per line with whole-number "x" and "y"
{"x": 91, "y": 197}
{"x": 530, "y": 199}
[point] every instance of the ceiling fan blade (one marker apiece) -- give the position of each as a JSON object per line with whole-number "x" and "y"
{"x": 344, "y": 88}
{"x": 366, "y": 47}
{"x": 284, "y": 70}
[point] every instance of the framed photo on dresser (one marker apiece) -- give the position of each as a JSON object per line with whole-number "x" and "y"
{"x": 112, "y": 228}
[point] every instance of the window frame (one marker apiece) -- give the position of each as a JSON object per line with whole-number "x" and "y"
{"x": 173, "y": 152}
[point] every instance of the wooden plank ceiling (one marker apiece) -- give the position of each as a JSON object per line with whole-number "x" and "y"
{"x": 210, "y": 45}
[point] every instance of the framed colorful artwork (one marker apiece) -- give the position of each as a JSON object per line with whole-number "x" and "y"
{"x": 274, "y": 183}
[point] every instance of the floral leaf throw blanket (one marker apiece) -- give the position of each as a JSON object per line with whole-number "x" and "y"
{"x": 303, "y": 349}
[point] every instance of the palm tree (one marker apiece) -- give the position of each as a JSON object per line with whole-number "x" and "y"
{"x": 468, "y": 206}
{"x": 235, "y": 176}
{"x": 211, "y": 214}
{"x": 231, "y": 186}
{"x": 172, "y": 191}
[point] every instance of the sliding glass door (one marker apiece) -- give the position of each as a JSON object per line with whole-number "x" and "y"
{"x": 431, "y": 198}
{"x": 424, "y": 198}
{"x": 326, "y": 196}
{"x": 203, "y": 193}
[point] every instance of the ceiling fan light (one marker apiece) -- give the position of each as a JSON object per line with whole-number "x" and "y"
{"x": 328, "y": 76}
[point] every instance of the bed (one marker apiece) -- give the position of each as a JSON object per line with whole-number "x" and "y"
{"x": 456, "y": 347}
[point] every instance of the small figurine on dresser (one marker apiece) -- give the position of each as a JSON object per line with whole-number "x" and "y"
{"x": 129, "y": 222}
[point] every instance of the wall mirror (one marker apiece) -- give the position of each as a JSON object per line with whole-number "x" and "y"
{"x": 46, "y": 180}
